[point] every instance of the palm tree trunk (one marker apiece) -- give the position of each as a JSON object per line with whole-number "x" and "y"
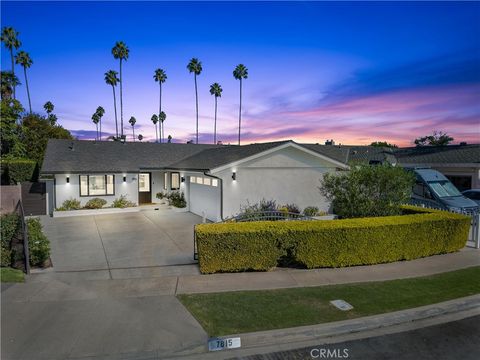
{"x": 156, "y": 132}
{"x": 121, "y": 100}
{"x": 13, "y": 72}
{"x": 215, "y": 124}
{"x": 240, "y": 113}
{"x": 100, "y": 129}
{"x": 160, "y": 110}
{"x": 162, "y": 134}
{"x": 96, "y": 138}
{"x": 28, "y": 91}
{"x": 133, "y": 129}
{"x": 196, "y": 102}
{"x": 115, "y": 108}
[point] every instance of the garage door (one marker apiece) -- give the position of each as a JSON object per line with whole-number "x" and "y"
{"x": 204, "y": 197}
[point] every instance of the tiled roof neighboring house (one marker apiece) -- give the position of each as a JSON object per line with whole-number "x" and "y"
{"x": 452, "y": 154}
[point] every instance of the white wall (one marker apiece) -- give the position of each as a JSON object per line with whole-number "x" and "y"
{"x": 287, "y": 176}
{"x": 65, "y": 191}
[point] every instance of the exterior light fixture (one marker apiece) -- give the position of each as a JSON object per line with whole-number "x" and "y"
{"x": 234, "y": 176}
{"x": 182, "y": 178}
{"x": 68, "y": 179}
{"x": 124, "y": 179}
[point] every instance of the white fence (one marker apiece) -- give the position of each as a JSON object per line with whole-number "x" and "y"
{"x": 474, "y": 235}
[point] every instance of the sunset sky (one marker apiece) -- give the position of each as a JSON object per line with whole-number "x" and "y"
{"x": 353, "y": 72}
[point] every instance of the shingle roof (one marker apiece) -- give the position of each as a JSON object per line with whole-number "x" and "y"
{"x": 215, "y": 157}
{"x": 107, "y": 156}
{"x": 89, "y": 156}
{"x": 452, "y": 154}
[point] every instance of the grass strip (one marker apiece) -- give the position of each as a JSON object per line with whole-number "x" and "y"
{"x": 247, "y": 311}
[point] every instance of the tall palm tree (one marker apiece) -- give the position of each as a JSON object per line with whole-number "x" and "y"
{"x": 160, "y": 76}
{"x": 140, "y": 137}
{"x": 48, "y": 107}
{"x": 132, "y": 122}
{"x": 112, "y": 79}
{"x": 96, "y": 120}
{"x": 162, "y": 117}
{"x": 120, "y": 51}
{"x": 155, "y": 121}
{"x": 215, "y": 89}
{"x": 100, "y": 111}
{"x": 240, "y": 73}
{"x": 10, "y": 39}
{"x": 195, "y": 67}
{"x": 24, "y": 59}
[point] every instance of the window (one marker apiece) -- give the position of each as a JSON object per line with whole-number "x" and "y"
{"x": 175, "y": 181}
{"x": 199, "y": 180}
{"x": 165, "y": 179}
{"x": 206, "y": 181}
{"x": 144, "y": 182}
{"x": 192, "y": 179}
{"x": 94, "y": 185}
{"x": 214, "y": 182}
{"x": 444, "y": 189}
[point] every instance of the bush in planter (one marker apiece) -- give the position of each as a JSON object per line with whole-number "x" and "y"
{"x": 38, "y": 244}
{"x": 10, "y": 224}
{"x": 70, "y": 204}
{"x": 311, "y": 211}
{"x": 177, "y": 199}
{"x": 95, "y": 203}
{"x": 122, "y": 202}
{"x": 368, "y": 191}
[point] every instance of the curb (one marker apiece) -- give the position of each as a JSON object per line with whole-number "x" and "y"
{"x": 334, "y": 329}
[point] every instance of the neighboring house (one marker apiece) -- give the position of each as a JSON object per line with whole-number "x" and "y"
{"x": 216, "y": 179}
{"x": 459, "y": 163}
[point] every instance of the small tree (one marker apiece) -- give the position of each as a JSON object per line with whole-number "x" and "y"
{"x": 383, "y": 144}
{"x": 368, "y": 190}
{"x": 438, "y": 138}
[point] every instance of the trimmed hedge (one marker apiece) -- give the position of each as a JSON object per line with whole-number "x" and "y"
{"x": 10, "y": 224}
{"x": 38, "y": 243}
{"x": 18, "y": 170}
{"x": 231, "y": 247}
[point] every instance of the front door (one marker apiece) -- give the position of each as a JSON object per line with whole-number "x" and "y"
{"x": 144, "y": 188}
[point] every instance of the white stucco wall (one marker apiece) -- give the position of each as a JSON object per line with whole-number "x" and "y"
{"x": 288, "y": 176}
{"x": 65, "y": 191}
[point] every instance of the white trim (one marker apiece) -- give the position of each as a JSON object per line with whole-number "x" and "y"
{"x": 277, "y": 148}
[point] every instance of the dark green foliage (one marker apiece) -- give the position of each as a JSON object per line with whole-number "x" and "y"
{"x": 161, "y": 195}
{"x": 438, "y": 138}
{"x": 10, "y": 225}
{"x": 70, "y": 204}
{"x": 38, "y": 244}
{"x": 230, "y": 247}
{"x": 292, "y": 208}
{"x": 310, "y": 211}
{"x": 366, "y": 190}
{"x": 383, "y": 144}
{"x": 177, "y": 199}
{"x": 10, "y": 131}
{"x": 95, "y": 203}
{"x": 36, "y": 130}
{"x": 18, "y": 170}
{"x": 122, "y": 202}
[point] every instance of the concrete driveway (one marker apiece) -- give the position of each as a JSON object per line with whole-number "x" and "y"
{"x": 149, "y": 238}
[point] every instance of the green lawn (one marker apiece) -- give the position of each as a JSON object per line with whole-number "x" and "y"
{"x": 247, "y": 311}
{"x": 11, "y": 275}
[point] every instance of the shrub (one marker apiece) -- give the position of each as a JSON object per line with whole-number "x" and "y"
{"x": 38, "y": 244}
{"x": 18, "y": 170}
{"x": 177, "y": 199}
{"x": 292, "y": 208}
{"x": 122, "y": 202}
{"x": 329, "y": 243}
{"x": 161, "y": 195}
{"x": 10, "y": 224}
{"x": 70, "y": 204}
{"x": 368, "y": 190}
{"x": 95, "y": 203}
{"x": 311, "y": 211}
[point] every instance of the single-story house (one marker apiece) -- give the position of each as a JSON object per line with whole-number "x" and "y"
{"x": 217, "y": 180}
